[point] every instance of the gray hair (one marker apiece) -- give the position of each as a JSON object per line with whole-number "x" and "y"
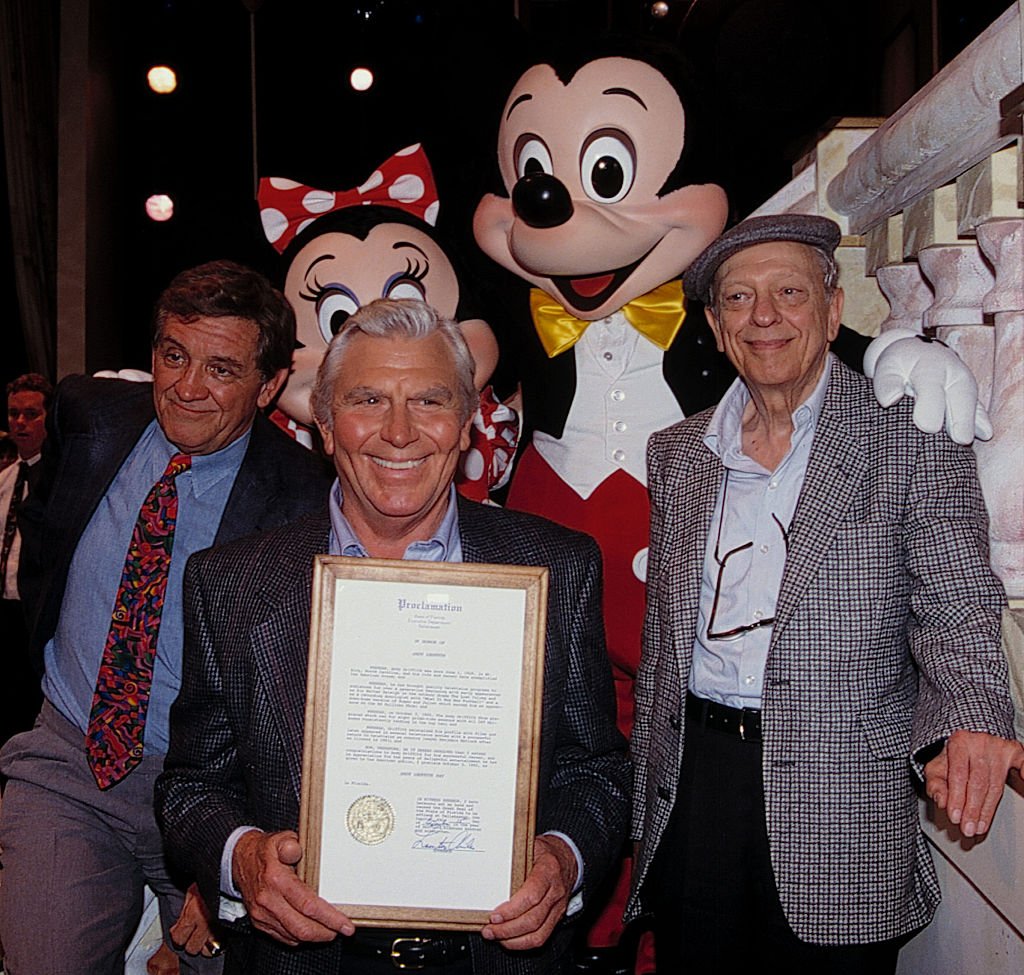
{"x": 389, "y": 318}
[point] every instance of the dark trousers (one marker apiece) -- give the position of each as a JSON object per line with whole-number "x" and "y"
{"x": 712, "y": 887}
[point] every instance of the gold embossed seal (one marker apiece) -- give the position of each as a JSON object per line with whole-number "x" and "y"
{"x": 370, "y": 820}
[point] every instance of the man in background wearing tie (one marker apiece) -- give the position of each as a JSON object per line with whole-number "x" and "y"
{"x": 28, "y": 399}
{"x": 152, "y": 470}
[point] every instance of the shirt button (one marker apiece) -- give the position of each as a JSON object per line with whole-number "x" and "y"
{"x": 749, "y": 679}
{"x": 608, "y": 357}
{"x": 764, "y": 549}
{"x": 705, "y": 373}
{"x": 758, "y": 614}
{"x": 619, "y": 426}
{"x": 772, "y": 485}
{"x": 619, "y": 456}
{"x": 618, "y": 395}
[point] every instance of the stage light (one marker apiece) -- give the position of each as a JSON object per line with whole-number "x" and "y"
{"x": 162, "y": 79}
{"x": 659, "y": 9}
{"x": 159, "y": 207}
{"x": 361, "y": 79}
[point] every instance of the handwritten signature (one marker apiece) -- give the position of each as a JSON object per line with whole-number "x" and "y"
{"x": 457, "y": 841}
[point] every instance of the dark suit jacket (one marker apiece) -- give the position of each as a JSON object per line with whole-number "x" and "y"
{"x": 93, "y": 424}
{"x": 237, "y": 726}
{"x": 886, "y": 641}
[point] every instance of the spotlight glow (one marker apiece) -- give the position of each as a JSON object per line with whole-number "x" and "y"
{"x": 162, "y": 79}
{"x": 361, "y": 79}
{"x": 159, "y": 207}
{"x": 659, "y": 9}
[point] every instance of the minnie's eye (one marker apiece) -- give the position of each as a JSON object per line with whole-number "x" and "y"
{"x": 406, "y": 288}
{"x": 608, "y": 166}
{"x": 333, "y": 308}
{"x": 532, "y": 156}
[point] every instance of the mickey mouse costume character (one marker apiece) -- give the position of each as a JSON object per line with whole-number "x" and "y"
{"x": 605, "y": 205}
{"x": 343, "y": 249}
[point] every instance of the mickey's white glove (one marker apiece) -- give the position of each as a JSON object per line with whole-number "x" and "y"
{"x": 903, "y": 363}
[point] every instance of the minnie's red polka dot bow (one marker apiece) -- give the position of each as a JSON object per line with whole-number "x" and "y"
{"x": 404, "y": 181}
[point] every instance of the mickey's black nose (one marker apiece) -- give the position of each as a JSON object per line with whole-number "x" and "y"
{"x": 540, "y": 200}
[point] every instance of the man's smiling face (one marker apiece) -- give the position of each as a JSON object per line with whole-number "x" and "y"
{"x": 397, "y": 429}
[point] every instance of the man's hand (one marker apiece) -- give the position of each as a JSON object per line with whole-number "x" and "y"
{"x": 191, "y": 933}
{"x": 279, "y": 904}
{"x": 903, "y": 363}
{"x": 967, "y": 777}
{"x": 527, "y": 919}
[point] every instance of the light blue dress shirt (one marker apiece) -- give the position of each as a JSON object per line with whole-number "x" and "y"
{"x": 754, "y": 505}
{"x": 74, "y": 653}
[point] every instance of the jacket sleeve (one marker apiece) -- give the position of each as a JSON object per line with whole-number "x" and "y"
{"x": 956, "y": 601}
{"x": 201, "y": 794}
{"x": 587, "y": 795}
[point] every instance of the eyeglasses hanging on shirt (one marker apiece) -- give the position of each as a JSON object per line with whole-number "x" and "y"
{"x": 722, "y": 561}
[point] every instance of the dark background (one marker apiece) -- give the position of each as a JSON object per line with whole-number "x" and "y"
{"x": 776, "y": 72}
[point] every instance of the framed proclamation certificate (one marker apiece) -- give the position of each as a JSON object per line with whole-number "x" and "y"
{"x": 423, "y": 715}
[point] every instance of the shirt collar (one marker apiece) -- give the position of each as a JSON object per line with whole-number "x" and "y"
{"x": 724, "y": 435}
{"x": 208, "y": 469}
{"x": 445, "y": 545}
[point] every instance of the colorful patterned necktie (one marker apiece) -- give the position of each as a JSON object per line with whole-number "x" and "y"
{"x": 11, "y": 524}
{"x": 118, "y": 718}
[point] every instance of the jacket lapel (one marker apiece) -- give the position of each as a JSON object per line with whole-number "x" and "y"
{"x": 835, "y": 470}
{"x": 697, "y": 481}
{"x": 280, "y": 638}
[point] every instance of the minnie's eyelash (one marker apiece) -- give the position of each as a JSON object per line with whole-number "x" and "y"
{"x": 417, "y": 271}
{"x": 313, "y": 290}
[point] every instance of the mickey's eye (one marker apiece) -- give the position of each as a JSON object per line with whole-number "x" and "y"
{"x": 532, "y": 156}
{"x": 333, "y": 307}
{"x": 608, "y": 166}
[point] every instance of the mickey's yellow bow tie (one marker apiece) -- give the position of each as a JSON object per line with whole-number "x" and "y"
{"x": 656, "y": 315}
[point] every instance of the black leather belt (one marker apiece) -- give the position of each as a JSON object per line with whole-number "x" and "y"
{"x": 410, "y": 952}
{"x": 745, "y": 722}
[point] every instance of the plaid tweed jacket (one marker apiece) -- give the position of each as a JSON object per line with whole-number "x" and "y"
{"x": 237, "y": 727}
{"x": 886, "y": 640}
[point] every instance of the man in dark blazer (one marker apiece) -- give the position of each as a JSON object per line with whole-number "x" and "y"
{"x": 393, "y": 402}
{"x": 76, "y": 852}
{"x": 822, "y": 626}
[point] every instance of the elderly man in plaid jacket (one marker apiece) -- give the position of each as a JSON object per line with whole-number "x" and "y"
{"x": 822, "y": 625}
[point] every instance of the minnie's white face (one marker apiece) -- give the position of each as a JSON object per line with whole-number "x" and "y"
{"x": 335, "y": 274}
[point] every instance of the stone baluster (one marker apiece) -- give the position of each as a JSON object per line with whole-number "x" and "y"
{"x": 961, "y": 279}
{"x": 1001, "y": 460}
{"x": 908, "y": 294}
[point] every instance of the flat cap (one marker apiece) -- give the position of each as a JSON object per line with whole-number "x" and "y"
{"x": 802, "y": 228}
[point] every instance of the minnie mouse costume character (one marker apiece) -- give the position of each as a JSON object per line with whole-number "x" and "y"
{"x": 604, "y": 207}
{"x": 343, "y": 249}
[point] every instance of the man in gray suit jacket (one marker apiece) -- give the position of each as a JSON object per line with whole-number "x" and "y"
{"x": 79, "y": 842}
{"x": 822, "y": 624}
{"x": 393, "y": 401}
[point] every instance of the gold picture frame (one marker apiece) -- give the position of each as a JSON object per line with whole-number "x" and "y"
{"x": 423, "y": 709}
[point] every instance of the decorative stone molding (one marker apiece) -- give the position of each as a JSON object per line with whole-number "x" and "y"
{"x": 948, "y": 126}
